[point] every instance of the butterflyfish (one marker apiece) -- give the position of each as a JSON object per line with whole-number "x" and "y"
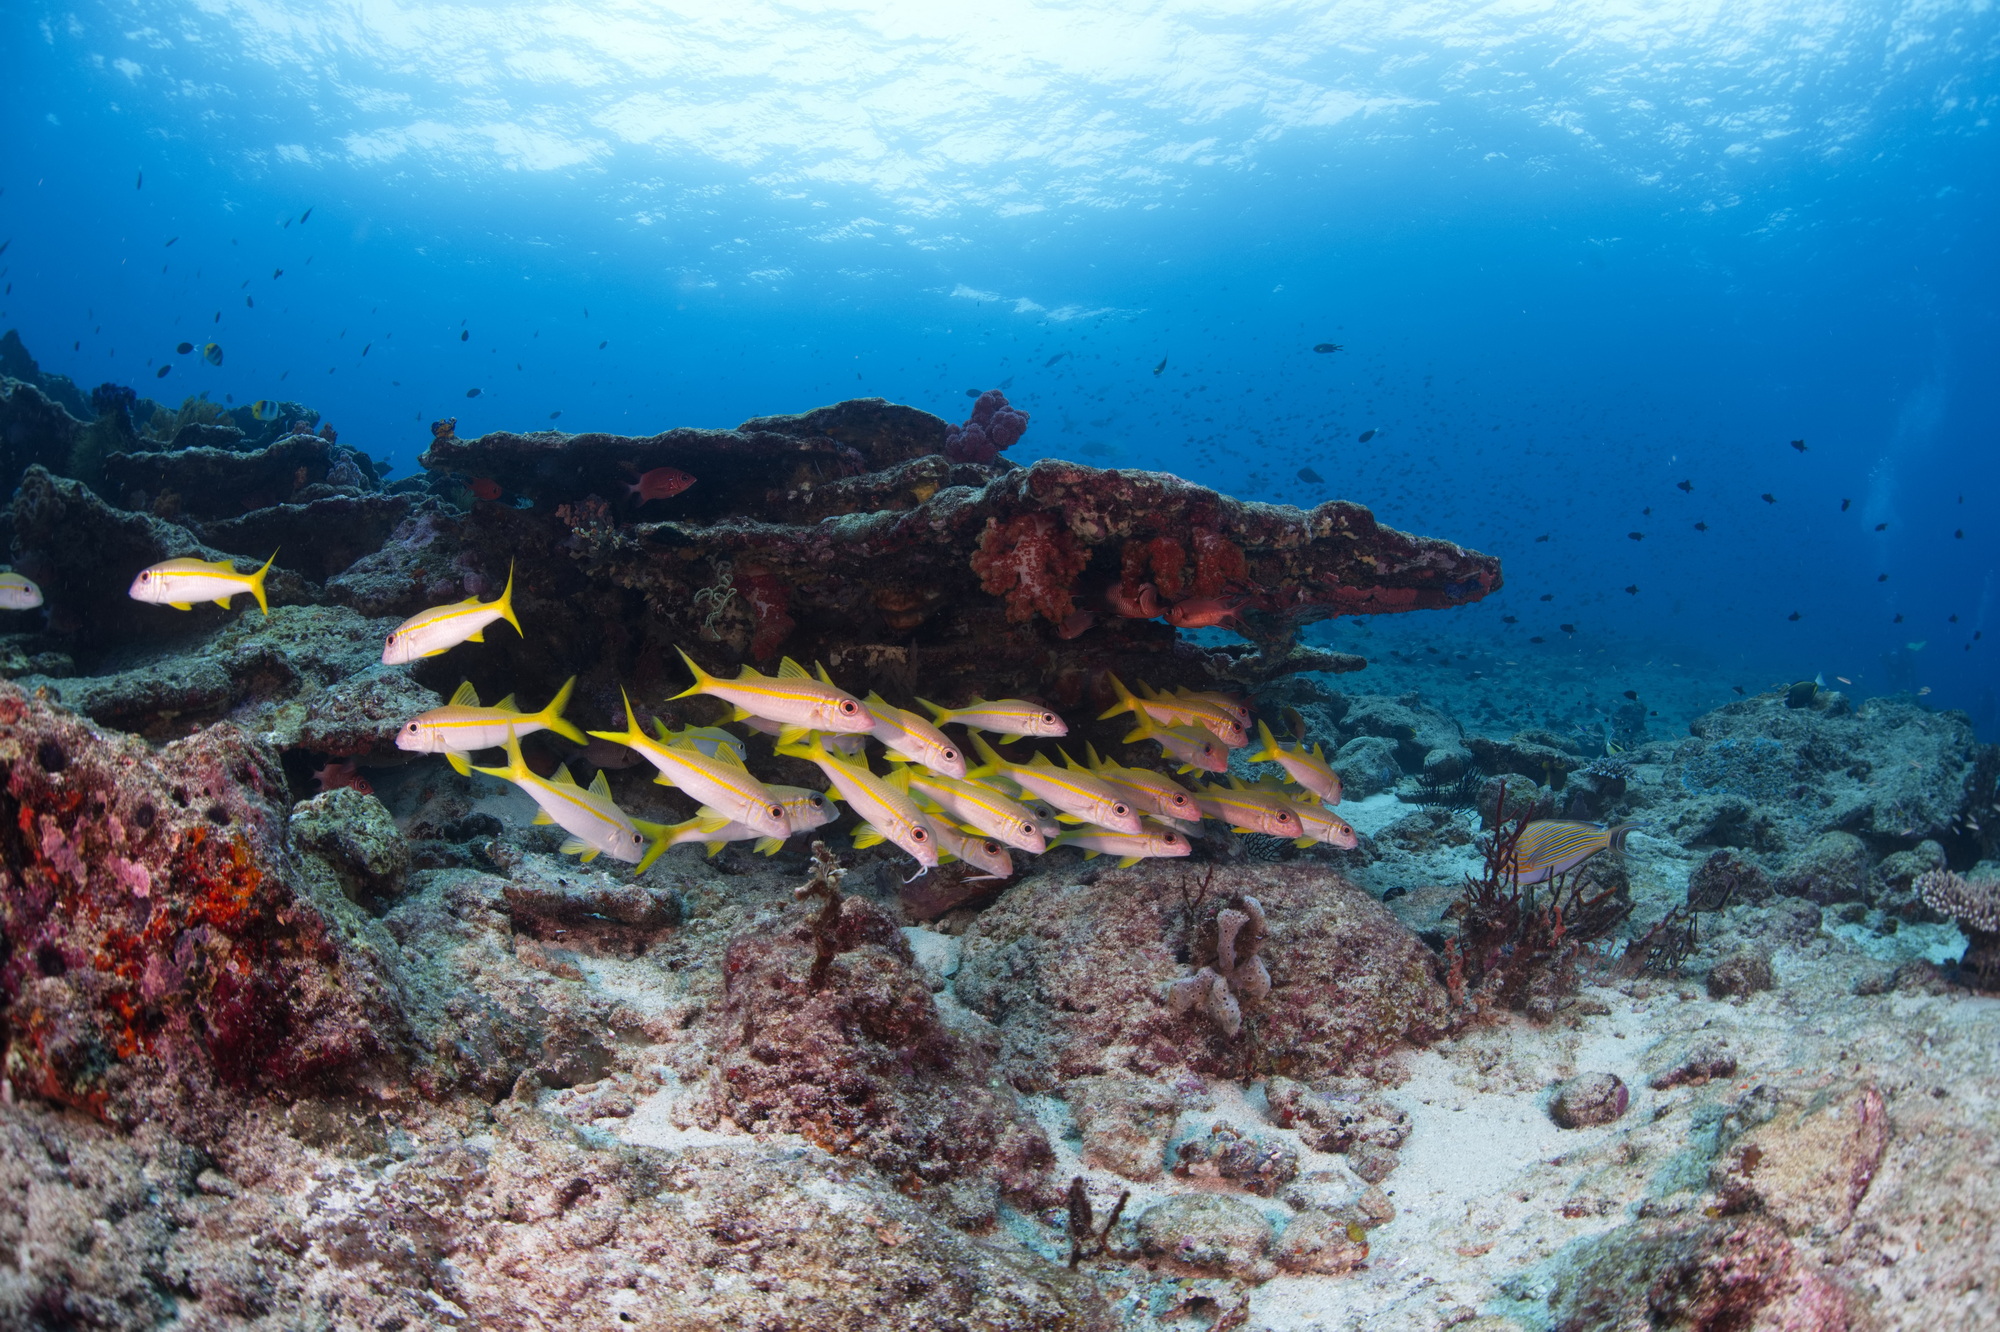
{"x": 442, "y": 628}
{"x": 181, "y": 583}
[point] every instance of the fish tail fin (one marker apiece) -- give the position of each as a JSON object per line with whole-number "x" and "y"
{"x": 257, "y": 584}
{"x": 992, "y": 763}
{"x": 938, "y": 714}
{"x": 661, "y": 834}
{"x": 517, "y": 767}
{"x": 551, "y": 716}
{"x": 702, "y": 679}
{"x": 1269, "y": 753}
{"x": 506, "y": 603}
{"x": 1126, "y": 703}
{"x": 1615, "y": 836}
{"x": 1142, "y": 729}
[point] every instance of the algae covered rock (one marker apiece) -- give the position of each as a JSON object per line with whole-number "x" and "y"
{"x": 355, "y": 836}
{"x": 1209, "y": 1232}
{"x": 1124, "y": 1122}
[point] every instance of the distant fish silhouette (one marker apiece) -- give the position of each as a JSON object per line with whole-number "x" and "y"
{"x": 1633, "y": 588}
{"x": 1325, "y": 347}
{"x": 1053, "y": 359}
{"x": 1799, "y": 444}
{"x": 1548, "y": 596}
{"x": 303, "y": 216}
{"x": 277, "y": 273}
{"x": 1509, "y": 619}
{"x": 161, "y": 373}
{"x": 1367, "y": 435}
{"x": 1687, "y": 486}
{"x": 1636, "y": 536}
{"x": 185, "y": 348}
{"x": 170, "y": 241}
{"x": 1793, "y": 616}
{"x": 472, "y": 392}
{"x": 1310, "y": 477}
{"x": 1161, "y": 366}
{"x": 1769, "y": 498}
{"x": 465, "y": 335}
{"x": 1844, "y": 503}
{"x": 972, "y": 393}
{"x": 553, "y": 415}
{"x": 1632, "y": 694}
{"x": 1701, "y": 527}
{"x": 1567, "y": 628}
{"x": 1543, "y": 537}
{"x": 1881, "y": 527}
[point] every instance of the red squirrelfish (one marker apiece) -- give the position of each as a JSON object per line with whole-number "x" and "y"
{"x": 660, "y": 483}
{"x": 1204, "y": 613}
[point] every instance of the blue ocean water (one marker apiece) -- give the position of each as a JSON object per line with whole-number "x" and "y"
{"x": 1591, "y": 268}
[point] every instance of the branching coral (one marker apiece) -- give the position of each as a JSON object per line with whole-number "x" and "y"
{"x": 1237, "y": 976}
{"x": 1031, "y": 562}
{"x": 1975, "y": 905}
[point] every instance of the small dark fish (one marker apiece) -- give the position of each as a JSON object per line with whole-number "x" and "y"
{"x": 277, "y": 273}
{"x": 1769, "y": 498}
{"x": 1737, "y": 688}
{"x": 1799, "y": 444}
{"x": 365, "y": 346}
{"x": 1548, "y": 596}
{"x": 1633, "y": 588}
{"x": 472, "y": 393}
{"x": 1793, "y": 616}
{"x": 602, "y": 345}
{"x": 161, "y": 373}
{"x": 1295, "y": 723}
{"x": 972, "y": 393}
{"x": 10, "y": 240}
{"x": 1509, "y": 619}
{"x": 1161, "y": 366}
{"x": 485, "y": 487}
{"x": 1952, "y": 618}
{"x": 1636, "y": 536}
{"x": 1897, "y": 620}
{"x": 1310, "y": 477}
{"x": 303, "y": 216}
{"x": 1543, "y": 537}
{"x": 1367, "y": 435}
{"x": 1881, "y": 578}
{"x": 185, "y": 348}
{"x": 1538, "y": 639}
{"x": 1686, "y": 487}
{"x": 250, "y": 301}
{"x": 1844, "y": 503}
{"x": 140, "y": 183}
{"x": 1632, "y": 694}
{"x": 1567, "y": 628}
{"x": 554, "y": 415}
{"x": 1324, "y": 347}
{"x": 1958, "y": 535}
{"x": 465, "y": 335}
{"x": 1646, "y": 512}
{"x": 1701, "y": 527}
{"x": 1053, "y": 359}
{"x": 1881, "y": 527}
{"x": 212, "y": 353}
{"x": 660, "y": 483}
{"x": 170, "y": 242}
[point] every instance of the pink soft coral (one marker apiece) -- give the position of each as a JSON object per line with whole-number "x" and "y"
{"x": 993, "y": 428}
{"x": 1031, "y": 562}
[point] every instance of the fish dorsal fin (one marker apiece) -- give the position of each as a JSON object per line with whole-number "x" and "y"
{"x": 508, "y": 704}
{"x": 1236, "y": 783}
{"x": 466, "y": 696}
{"x": 1040, "y": 760}
{"x": 471, "y": 601}
{"x": 600, "y": 787}
{"x": 726, "y": 755}
{"x": 874, "y": 699}
{"x": 562, "y": 777}
{"x": 791, "y": 670}
{"x": 819, "y": 670}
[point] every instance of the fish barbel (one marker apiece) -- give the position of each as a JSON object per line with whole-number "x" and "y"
{"x": 442, "y": 628}
{"x": 463, "y": 726}
{"x": 181, "y": 583}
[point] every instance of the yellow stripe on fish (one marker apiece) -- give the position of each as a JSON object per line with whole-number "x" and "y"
{"x": 714, "y": 831}
{"x": 1229, "y": 703}
{"x": 1151, "y": 841}
{"x": 792, "y": 698}
{"x": 1310, "y": 770}
{"x": 1075, "y": 790}
{"x": 1549, "y": 847}
{"x": 462, "y": 726}
{"x": 1151, "y": 791}
{"x": 442, "y": 628}
{"x": 587, "y": 814}
{"x": 974, "y": 848}
{"x": 1161, "y": 710}
{"x": 1007, "y": 716}
{"x": 1248, "y": 810}
{"x": 976, "y": 805}
{"x": 719, "y": 780}
{"x": 18, "y": 592}
{"x": 1195, "y": 747}
{"x": 906, "y": 735}
{"x": 885, "y": 807}
{"x": 181, "y": 583}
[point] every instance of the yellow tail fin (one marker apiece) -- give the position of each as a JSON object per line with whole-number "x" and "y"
{"x": 517, "y": 767}
{"x": 1269, "y": 753}
{"x": 551, "y": 716}
{"x": 702, "y": 679}
{"x": 1126, "y": 703}
{"x": 990, "y": 759}
{"x": 257, "y": 584}
{"x": 631, "y": 731}
{"x": 506, "y": 603}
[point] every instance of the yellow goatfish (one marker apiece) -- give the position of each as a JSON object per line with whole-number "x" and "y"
{"x": 1229, "y": 703}
{"x": 1164, "y": 711}
{"x": 462, "y": 726}
{"x": 1246, "y": 810}
{"x": 884, "y": 807}
{"x": 718, "y": 780}
{"x": 1196, "y": 747}
{"x": 18, "y": 592}
{"x": 975, "y": 805}
{"x": 1153, "y": 792}
{"x": 1309, "y": 770}
{"x": 1007, "y": 716}
{"x": 181, "y": 583}
{"x": 1322, "y": 826}
{"x": 442, "y": 628}
{"x": 792, "y": 698}
{"x": 975, "y": 849}
{"x": 908, "y": 736}
{"x": 715, "y": 830}
{"x": 1153, "y": 840}
{"x": 594, "y": 824}
{"x": 805, "y": 808}
{"x": 1081, "y": 795}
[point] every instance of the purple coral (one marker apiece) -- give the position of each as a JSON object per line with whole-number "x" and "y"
{"x": 993, "y": 428}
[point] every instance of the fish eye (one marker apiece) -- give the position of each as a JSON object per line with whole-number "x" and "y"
{"x": 411, "y": 728}
{"x": 919, "y": 835}
{"x": 947, "y": 753}
{"x": 776, "y": 811}
{"x": 992, "y": 847}
{"x": 1048, "y": 716}
{"x": 145, "y": 577}
{"x": 849, "y": 706}
{"x": 1120, "y": 810}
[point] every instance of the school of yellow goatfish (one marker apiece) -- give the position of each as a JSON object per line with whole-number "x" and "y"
{"x": 932, "y": 803}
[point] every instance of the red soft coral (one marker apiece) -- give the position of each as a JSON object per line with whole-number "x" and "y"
{"x": 1219, "y": 565}
{"x": 1161, "y": 557}
{"x": 1031, "y": 562}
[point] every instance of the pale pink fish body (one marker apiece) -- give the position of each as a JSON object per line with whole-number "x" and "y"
{"x": 442, "y": 628}
{"x": 909, "y": 736}
{"x": 1308, "y": 768}
{"x": 1229, "y": 703}
{"x": 1161, "y": 710}
{"x": 885, "y": 808}
{"x": 1196, "y": 747}
{"x": 805, "y": 808}
{"x": 718, "y": 780}
{"x": 978, "y": 806}
{"x": 182, "y": 583}
{"x": 1323, "y": 826}
{"x": 1266, "y": 812}
{"x": 975, "y": 849}
{"x": 840, "y": 742}
{"x": 1007, "y": 716}
{"x": 1074, "y": 790}
{"x": 18, "y": 592}
{"x": 791, "y": 698}
{"x": 1154, "y": 792}
{"x": 1151, "y": 841}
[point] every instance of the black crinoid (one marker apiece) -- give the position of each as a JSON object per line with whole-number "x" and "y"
{"x": 1460, "y": 792}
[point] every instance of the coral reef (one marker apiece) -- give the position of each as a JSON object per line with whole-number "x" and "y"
{"x": 992, "y": 429}
{"x": 1975, "y": 905}
{"x": 1233, "y": 975}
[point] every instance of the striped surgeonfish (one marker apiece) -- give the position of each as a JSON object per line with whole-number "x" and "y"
{"x": 1549, "y": 847}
